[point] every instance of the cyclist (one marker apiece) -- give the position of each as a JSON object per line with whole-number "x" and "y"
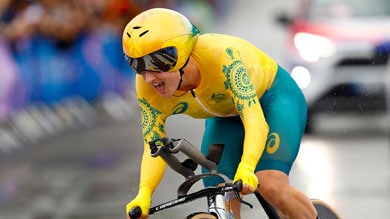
{"x": 250, "y": 104}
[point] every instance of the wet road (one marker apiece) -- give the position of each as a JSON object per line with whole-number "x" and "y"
{"x": 91, "y": 173}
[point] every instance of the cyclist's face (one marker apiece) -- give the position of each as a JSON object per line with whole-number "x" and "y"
{"x": 164, "y": 83}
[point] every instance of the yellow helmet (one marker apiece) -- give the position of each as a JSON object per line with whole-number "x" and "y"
{"x": 159, "y": 40}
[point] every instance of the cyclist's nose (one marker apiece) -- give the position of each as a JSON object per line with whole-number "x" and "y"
{"x": 148, "y": 76}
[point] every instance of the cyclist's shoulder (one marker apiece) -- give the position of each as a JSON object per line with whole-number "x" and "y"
{"x": 213, "y": 40}
{"x": 214, "y": 45}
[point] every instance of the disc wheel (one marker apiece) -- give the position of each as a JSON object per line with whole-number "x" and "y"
{"x": 201, "y": 215}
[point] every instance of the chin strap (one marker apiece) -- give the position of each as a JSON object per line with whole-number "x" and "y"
{"x": 181, "y": 78}
{"x": 181, "y": 74}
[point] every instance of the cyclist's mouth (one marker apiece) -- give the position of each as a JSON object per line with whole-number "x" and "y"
{"x": 159, "y": 87}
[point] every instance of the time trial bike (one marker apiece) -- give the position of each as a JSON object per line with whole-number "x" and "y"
{"x": 218, "y": 197}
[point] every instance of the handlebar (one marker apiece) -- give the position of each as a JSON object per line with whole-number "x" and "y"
{"x": 166, "y": 148}
{"x": 136, "y": 212}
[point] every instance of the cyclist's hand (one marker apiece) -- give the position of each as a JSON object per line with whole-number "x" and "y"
{"x": 245, "y": 172}
{"x": 142, "y": 200}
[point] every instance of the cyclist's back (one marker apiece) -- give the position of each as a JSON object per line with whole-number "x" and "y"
{"x": 213, "y": 52}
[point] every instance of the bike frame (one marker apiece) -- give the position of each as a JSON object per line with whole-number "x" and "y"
{"x": 168, "y": 148}
{"x": 215, "y": 197}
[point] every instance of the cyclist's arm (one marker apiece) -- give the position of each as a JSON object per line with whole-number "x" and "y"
{"x": 153, "y": 127}
{"x": 248, "y": 106}
{"x": 152, "y": 169}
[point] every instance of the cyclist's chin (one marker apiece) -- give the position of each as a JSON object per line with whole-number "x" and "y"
{"x": 165, "y": 93}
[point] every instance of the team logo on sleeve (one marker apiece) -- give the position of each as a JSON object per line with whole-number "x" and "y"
{"x": 238, "y": 80}
{"x": 149, "y": 117}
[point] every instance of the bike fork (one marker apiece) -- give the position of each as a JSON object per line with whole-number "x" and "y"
{"x": 217, "y": 206}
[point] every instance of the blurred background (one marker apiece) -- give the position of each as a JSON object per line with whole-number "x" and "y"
{"x": 70, "y": 138}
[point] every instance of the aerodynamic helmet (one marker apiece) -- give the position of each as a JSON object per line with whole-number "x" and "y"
{"x": 158, "y": 40}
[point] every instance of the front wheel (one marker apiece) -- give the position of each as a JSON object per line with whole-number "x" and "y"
{"x": 201, "y": 215}
{"x": 324, "y": 210}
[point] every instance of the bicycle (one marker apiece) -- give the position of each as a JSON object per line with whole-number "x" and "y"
{"x": 217, "y": 196}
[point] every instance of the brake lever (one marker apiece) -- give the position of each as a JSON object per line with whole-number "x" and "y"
{"x": 238, "y": 186}
{"x": 241, "y": 200}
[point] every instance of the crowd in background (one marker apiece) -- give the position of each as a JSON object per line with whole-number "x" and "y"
{"x": 56, "y": 53}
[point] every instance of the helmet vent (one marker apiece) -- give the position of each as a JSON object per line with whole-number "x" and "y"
{"x": 143, "y": 33}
